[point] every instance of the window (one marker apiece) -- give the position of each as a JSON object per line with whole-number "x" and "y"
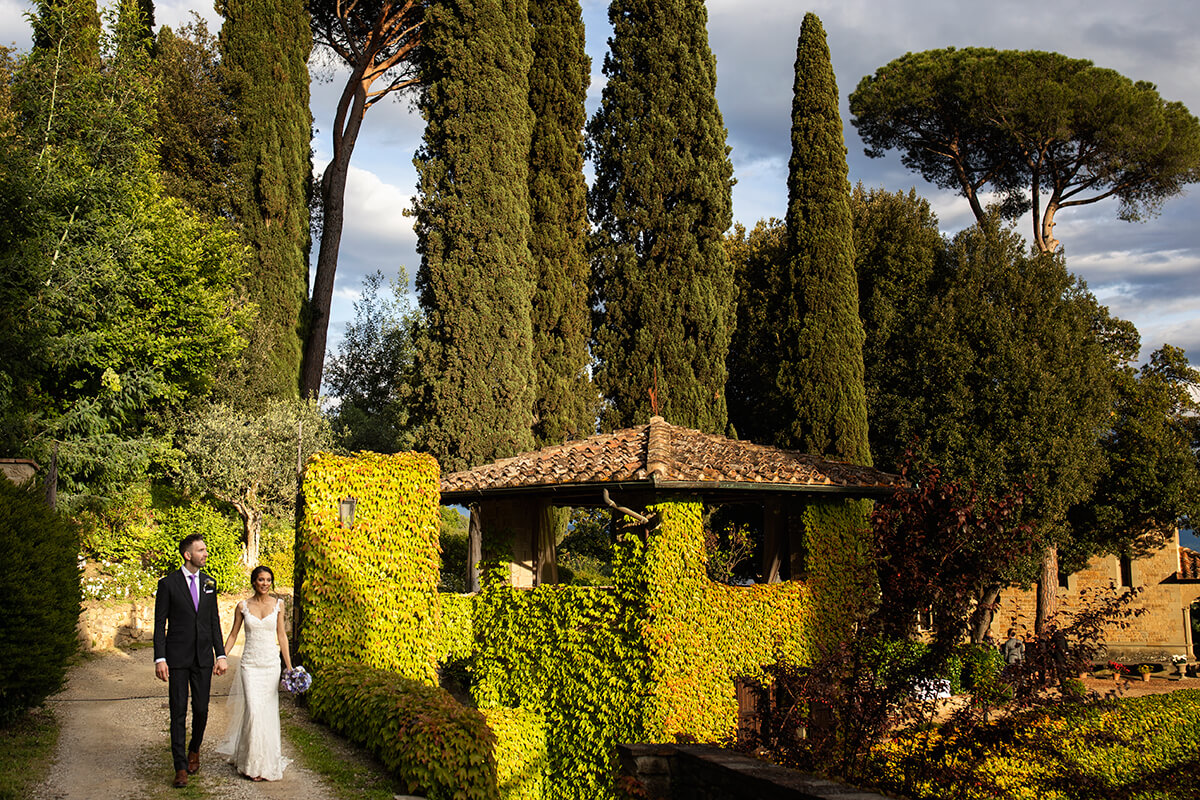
{"x": 1126, "y": 571}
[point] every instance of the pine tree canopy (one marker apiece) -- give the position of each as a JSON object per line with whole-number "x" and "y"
{"x": 1044, "y": 131}
{"x": 663, "y": 293}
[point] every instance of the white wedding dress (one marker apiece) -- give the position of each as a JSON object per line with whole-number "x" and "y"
{"x": 252, "y": 741}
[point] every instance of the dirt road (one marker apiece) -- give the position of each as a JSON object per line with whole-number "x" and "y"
{"x": 114, "y": 742}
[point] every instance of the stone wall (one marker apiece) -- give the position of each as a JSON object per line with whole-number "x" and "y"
{"x": 1162, "y": 631}
{"x": 105, "y": 624}
{"x": 699, "y": 772}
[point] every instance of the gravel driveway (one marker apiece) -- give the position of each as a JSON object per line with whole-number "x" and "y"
{"x": 114, "y": 741}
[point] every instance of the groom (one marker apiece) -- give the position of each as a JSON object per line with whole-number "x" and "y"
{"x": 187, "y": 631}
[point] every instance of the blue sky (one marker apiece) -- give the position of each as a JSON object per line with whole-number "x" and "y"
{"x": 1147, "y": 272}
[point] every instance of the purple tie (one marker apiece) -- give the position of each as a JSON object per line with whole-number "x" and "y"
{"x": 195, "y": 592}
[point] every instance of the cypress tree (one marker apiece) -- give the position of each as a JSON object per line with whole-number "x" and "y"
{"x": 475, "y": 283}
{"x": 565, "y": 403}
{"x": 750, "y": 391}
{"x": 264, "y": 50}
{"x": 663, "y": 288}
{"x": 820, "y": 378}
{"x": 821, "y": 364}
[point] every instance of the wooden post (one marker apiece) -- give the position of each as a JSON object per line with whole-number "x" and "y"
{"x": 773, "y": 539}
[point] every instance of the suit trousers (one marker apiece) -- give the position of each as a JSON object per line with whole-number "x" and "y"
{"x": 198, "y": 679}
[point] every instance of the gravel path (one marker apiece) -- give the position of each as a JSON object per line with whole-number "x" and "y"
{"x": 114, "y": 741}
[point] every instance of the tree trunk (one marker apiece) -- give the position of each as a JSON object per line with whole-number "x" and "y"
{"x": 333, "y": 198}
{"x": 985, "y": 611}
{"x": 252, "y": 526}
{"x": 1043, "y": 230}
{"x": 1047, "y": 590}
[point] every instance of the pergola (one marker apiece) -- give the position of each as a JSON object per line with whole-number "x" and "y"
{"x": 633, "y": 468}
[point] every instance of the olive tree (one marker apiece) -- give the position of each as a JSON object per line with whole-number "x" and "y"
{"x": 252, "y": 461}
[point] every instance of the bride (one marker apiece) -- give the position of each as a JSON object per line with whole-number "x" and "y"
{"x": 252, "y": 742}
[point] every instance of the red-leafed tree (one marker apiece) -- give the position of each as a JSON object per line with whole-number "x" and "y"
{"x": 940, "y": 546}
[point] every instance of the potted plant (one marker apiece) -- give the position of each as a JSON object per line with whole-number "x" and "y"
{"x": 1179, "y": 661}
{"x": 1117, "y": 669}
{"x": 1144, "y": 670}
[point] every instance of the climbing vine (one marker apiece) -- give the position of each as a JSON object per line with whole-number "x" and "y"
{"x": 370, "y": 590}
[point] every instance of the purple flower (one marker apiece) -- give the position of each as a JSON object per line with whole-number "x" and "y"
{"x": 295, "y": 680}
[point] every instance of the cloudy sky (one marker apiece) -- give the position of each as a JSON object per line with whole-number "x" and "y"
{"x": 1146, "y": 272}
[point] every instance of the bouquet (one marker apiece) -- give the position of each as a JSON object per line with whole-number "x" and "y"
{"x": 295, "y": 680}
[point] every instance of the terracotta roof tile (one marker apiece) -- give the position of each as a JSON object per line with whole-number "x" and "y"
{"x": 662, "y": 454}
{"x": 1189, "y": 564}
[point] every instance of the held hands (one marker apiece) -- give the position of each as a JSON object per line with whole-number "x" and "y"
{"x": 221, "y": 665}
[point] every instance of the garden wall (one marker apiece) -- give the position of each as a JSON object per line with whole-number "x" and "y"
{"x": 696, "y": 772}
{"x": 1162, "y": 631}
{"x": 369, "y": 588}
{"x": 107, "y": 624}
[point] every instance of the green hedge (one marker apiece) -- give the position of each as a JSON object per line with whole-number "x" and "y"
{"x": 1136, "y": 749}
{"x": 369, "y": 592}
{"x": 436, "y": 746}
{"x": 39, "y": 599}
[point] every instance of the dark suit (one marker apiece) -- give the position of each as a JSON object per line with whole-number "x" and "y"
{"x": 190, "y": 640}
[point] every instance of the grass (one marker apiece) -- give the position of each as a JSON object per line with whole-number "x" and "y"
{"x": 350, "y": 773}
{"x": 26, "y": 752}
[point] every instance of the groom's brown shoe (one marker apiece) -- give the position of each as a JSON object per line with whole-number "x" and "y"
{"x": 193, "y": 763}
{"x": 180, "y": 779}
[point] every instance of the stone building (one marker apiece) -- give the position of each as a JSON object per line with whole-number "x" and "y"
{"x": 1169, "y": 579}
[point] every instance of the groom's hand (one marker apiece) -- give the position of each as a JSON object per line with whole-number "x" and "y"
{"x": 160, "y": 670}
{"x": 220, "y": 667}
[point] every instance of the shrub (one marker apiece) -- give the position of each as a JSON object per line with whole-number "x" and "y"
{"x": 453, "y": 540}
{"x": 981, "y": 663}
{"x": 278, "y": 543}
{"x": 222, "y": 537}
{"x": 1141, "y": 747}
{"x": 39, "y": 598}
{"x": 436, "y": 746}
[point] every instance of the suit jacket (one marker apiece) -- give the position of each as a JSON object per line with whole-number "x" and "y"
{"x": 186, "y": 636}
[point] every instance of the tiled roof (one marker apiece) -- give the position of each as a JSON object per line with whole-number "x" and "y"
{"x": 1189, "y": 564}
{"x": 664, "y": 456}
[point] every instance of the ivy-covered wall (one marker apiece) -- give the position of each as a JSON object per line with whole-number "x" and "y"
{"x": 562, "y": 674}
{"x": 841, "y": 570}
{"x": 700, "y": 635}
{"x": 369, "y": 591}
{"x": 651, "y": 658}
{"x": 571, "y": 654}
